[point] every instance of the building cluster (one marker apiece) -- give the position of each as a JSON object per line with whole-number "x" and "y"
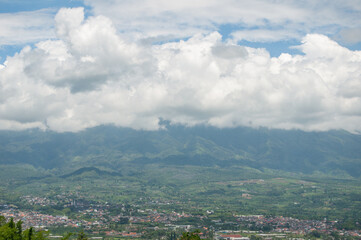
{"x": 57, "y": 200}
{"x": 38, "y": 220}
{"x": 96, "y": 217}
{"x": 153, "y": 216}
{"x": 281, "y": 224}
{"x": 41, "y": 201}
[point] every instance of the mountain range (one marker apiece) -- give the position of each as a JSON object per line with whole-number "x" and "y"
{"x": 113, "y": 148}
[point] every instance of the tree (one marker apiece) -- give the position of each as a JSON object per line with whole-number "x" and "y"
{"x": 7, "y": 230}
{"x": 19, "y": 230}
{"x": 190, "y": 236}
{"x": 335, "y": 235}
{"x": 28, "y": 234}
{"x": 254, "y": 237}
{"x": 41, "y": 235}
{"x": 11, "y": 231}
{"x": 82, "y": 236}
{"x": 67, "y": 236}
{"x": 11, "y": 224}
{"x": 2, "y": 221}
{"x": 172, "y": 236}
{"x": 315, "y": 234}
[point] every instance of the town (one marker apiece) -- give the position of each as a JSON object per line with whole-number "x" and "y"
{"x": 99, "y": 220}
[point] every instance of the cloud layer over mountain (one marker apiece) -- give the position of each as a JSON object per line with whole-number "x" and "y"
{"x": 90, "y": 74}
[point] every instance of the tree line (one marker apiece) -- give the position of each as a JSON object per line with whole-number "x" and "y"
{"x": 10, "y": 230}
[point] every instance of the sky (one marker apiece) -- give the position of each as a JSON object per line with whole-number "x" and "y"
{"x": 67, "y": 65}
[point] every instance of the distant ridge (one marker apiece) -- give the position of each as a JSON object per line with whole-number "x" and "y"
{"x": 90, "y": 169}
{"x": 124, "y": 150}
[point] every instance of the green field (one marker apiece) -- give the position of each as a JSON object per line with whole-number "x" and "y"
{"x": 196, "y": 170}
{"x": 226, "y": 191}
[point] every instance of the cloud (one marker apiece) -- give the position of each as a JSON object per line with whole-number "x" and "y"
{"x": 26, "y": 27}
{"x": 154, "y": 18}
{"x": 92, "y": 75}
{"x": 256, "y": 18}
{"x": 87, "y": 54}
{"x": 350, "y": 36}
{"x": 265, "y": 35}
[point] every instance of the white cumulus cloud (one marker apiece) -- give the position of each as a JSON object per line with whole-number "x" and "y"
{"x": 91, "y": 75}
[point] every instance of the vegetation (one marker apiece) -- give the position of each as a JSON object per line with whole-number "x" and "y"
{"x": 13, "y": 231}
{"x": 335, "y": 153}
{"x": 9, "y": 230}
{"x": 225, "y": 191}
{"x": 201, "y": 171}
{"x": 190, "y": 236}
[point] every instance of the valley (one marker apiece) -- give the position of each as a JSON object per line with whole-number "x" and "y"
{"x": 113, "y": 182}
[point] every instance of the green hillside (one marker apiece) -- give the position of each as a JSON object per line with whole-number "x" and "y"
{"x": 333, "y": 152}
{"x": 309, "y": 175}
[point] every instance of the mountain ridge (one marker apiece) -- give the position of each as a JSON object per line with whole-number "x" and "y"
{"x": 113, "y": 147}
